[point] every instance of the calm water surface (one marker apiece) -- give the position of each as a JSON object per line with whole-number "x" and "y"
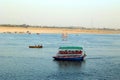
{"x": 18, "y": 62}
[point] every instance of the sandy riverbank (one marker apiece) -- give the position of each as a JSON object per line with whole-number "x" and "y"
{"x": 54, "y": 30}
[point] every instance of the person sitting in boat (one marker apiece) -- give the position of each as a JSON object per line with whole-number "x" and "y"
{"x": 76, "y": 52}
{"x": 66, "y": 52}
{"x": 80, "y": 52}
{"x": 69, "y": 52}
{"x": 60, "y": 52}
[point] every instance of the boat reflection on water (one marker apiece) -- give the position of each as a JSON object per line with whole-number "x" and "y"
{"x": 70, "y": 64}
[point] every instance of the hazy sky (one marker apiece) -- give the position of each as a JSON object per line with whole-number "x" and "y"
{"x": 86, "y": 13}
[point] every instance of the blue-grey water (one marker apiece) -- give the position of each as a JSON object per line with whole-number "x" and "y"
{"x": 18, "y": 62}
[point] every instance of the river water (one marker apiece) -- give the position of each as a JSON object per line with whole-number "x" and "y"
{"x": 19, "y": 62}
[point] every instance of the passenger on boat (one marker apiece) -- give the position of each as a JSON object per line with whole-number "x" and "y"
{"x": 70, "y": 52}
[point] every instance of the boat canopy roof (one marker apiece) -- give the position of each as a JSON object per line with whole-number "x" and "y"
{"x": 71, "y": 48}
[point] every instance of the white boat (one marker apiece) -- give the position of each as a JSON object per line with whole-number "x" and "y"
{"x": 70, "y": 53}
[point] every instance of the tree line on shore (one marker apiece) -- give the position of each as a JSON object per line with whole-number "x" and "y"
{"x": 70, "y": 27}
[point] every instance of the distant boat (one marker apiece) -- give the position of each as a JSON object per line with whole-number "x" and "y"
{"x": 64, "y": 36}
{"x": 70, "y": 53}
{"x": 36, "y": 46}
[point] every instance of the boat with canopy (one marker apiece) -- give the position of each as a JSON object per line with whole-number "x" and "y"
{"x": 70, "y": 53}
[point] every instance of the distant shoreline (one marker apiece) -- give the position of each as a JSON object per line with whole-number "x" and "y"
{"x": 38, "y": 30}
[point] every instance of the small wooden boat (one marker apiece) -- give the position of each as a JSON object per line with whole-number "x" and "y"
{"x": 36, "y": 46}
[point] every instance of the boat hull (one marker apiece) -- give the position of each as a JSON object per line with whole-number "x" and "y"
{"x": 35, "y": 47}
{"x": 69, "y": 59}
